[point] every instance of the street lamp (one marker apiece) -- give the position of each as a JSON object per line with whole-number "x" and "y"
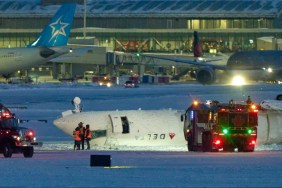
{"x": 84, "y": 20}
{"x": 173, "y": 70}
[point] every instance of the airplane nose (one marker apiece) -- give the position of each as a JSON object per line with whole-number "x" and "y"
{"x": 60, "y": 123}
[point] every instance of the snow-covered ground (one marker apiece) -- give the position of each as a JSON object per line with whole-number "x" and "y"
{"x": 56, "y": 165}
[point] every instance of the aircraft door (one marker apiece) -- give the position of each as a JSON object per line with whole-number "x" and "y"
{"x": 120, "y": 124}
{"x": 125, "y": 125}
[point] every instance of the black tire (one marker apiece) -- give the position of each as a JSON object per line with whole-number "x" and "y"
{"x": 244, "y": 148}
{"x": 28, "y": 152}
{"x": 279, "y": 97}
{"x": 228, "y": 148}
{"x": 7, "y": 150}
{"x": 249, "y": 149}
{"x": 190, "y": 144}
{"x": 207, "y": 141}
{"x": 240, "y": 148}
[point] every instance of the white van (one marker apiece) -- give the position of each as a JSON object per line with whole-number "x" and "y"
{"x": 88, "y": 75}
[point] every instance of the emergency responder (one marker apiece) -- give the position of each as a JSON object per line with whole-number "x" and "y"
{"x": 87, "y": 136}
{"x": 77, "y": 139}
{"x": 82, "y": 132}
{"x": 231, "y": 103}
{"x": 249, "y": 101}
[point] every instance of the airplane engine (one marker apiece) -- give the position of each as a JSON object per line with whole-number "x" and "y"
{"x": 206, "y": 75}
{"x": 46, "y": 52}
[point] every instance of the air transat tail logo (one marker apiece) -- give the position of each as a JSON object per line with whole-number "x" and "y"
{"x": 58, "y": 28}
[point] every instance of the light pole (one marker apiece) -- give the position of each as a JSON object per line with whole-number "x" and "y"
{"x": 173, "y": 70}
{"x": 84, "y": 20}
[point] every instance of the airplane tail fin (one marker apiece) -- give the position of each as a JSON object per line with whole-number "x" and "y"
{"x": 56, "y": 33}
{"x": 196, "y": 45}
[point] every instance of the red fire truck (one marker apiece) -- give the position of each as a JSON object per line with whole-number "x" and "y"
{"x": 13, "y": 138}
{"x": 214, "y": 126}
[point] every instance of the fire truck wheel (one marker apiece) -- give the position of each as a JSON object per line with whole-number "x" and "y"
{"x": 249, "y": 150}
{"x": 190, "y": 144}
{"x": 228, "y": 148}
{"x": 243, "y": 148}
{"x": 207, "y": 141}
{"x": 28, "y": 152}
{"x": 7, "y": 150}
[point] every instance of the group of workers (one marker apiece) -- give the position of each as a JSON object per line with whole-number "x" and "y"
{"x": 248, "y": 101}
{"x": 81, "y": 134}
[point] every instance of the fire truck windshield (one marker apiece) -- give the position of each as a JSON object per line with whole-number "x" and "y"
{"x": 8, "y": 123}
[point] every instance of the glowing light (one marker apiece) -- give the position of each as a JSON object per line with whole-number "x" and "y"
{"x": 238, "y": 81}
{"x": 16, "y": 137}
{"x": 30, "y": 133}
{"x": 253, "y": 142}
{"x": 195, "y": 103}
{"x": 200, "y": 59}
{"x": 6, "y": 114}
{"x": 225, "y": 131}
{"x": 217, "y": 142}
{"x": 269, "y": 70}
{"x": 250, "y": 131}
{"x": 191, "y": 114}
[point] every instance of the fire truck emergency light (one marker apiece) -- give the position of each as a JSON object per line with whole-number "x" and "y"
{"x": 253, "y": 142}
{"x": 192, "y": 115}
{"x": 195, "y": 103}
{"x": 225, "y": 131}
{"x": 217, "y": 142}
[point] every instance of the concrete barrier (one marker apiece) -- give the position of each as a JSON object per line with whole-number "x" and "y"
{"x": 100, "y": 160}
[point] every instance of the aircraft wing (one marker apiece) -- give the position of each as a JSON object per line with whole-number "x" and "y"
{"x": 73, "y": 53}
{"x": 190, "y": 62}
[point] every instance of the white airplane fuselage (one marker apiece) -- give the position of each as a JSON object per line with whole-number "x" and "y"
{"x": 270, "y": 120}
{"x": 145, "y": 128}
{"x": 154, "y": 127}
{"x": 13, "y": 59}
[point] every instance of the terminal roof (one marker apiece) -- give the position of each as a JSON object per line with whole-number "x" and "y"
{"x": 154, "y": 8}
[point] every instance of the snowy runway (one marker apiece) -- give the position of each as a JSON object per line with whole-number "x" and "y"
{"x": 145, "y": 169}
{"x": 57, "y": 165}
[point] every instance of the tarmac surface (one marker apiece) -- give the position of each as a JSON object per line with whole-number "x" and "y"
{"x": 144, "y": 169}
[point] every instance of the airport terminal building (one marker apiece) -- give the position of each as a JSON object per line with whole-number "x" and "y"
{"x": 161, "y": 26}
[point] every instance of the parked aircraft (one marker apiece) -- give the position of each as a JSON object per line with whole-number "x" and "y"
{"x": 150, "y": 127}
{"x": 49, "y": 44}
{"x": 254, "y": 65}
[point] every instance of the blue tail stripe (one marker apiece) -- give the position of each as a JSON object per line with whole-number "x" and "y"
{"x": 56, "y": 33}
